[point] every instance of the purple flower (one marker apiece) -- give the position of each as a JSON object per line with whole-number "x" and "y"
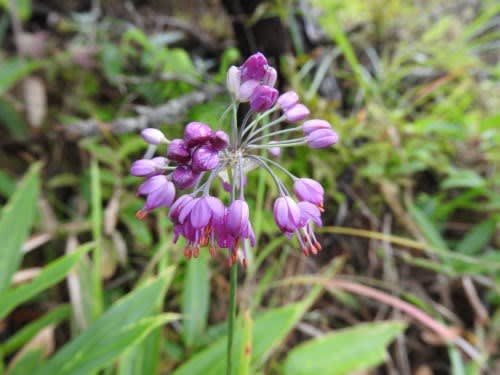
{"x": 184, "y": 177}
{"x": 198, "y": 220}
{"x": 286, "y": 214}
{"x": 207, "y": 211}
{"x": 309, "y": 190}
{"x": 196, "y": 133}
{"x": 148, "y": 167}
{"x": 219, "y": 140}
{"x": 153, "y": 136}
{"x": 297, "y": 112}
{"x": 322, "y": 138}
{"x": 311, "y": 125}
{"x": 233, "y": 80}
{"x": 263, "y": 98}
{"x": 159, "y": 192}
{"x": 270, "y": 77}
{"x": 309, "y": 212}
{"x": 205, "y": 158}
{"x": 254, "y": 67}
{"x": 177, "y": 206}
{"x": 287, "y": 100}
{"x": 246, "y": 90}
{"x": 237, "y": 221}
{"x": 178, "y": 151}
{"x": 203, "y": 220}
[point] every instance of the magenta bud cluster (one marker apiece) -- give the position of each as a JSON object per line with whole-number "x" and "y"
{"x": 206, "y": 156}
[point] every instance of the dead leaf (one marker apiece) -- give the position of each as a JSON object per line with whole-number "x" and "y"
{"x": 35, "y": 98}
{"x": 25, "y": 275}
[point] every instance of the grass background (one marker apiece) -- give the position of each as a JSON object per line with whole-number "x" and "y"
{"x": 412, "y": 207}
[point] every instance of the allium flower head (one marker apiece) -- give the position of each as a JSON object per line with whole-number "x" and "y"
{"x": 205, "y": 157}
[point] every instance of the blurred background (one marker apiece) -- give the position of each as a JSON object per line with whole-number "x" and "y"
{"x": 412, "y": 210}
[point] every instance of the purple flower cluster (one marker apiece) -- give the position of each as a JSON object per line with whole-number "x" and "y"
{"x": 204, "y": 156}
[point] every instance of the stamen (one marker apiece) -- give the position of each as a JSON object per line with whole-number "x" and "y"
{"x": 188, "y": 253}
{"x": 141, "y": 214}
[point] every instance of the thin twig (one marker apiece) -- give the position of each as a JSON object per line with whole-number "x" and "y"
{"x": 172, "y": 112}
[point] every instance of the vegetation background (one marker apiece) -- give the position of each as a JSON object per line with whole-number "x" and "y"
{"x": 408, "y": 281}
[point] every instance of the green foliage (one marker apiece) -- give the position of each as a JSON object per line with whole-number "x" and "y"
{"x": 268, "y": 332}
{"x": 50, "y": 275}
{"x": 343, "y": 351}
{"x": 126, "y": 323}
{"x": 195, "y": 299}
{"x": 13, "y": 70}
{"x": 15, "y": 222}
{"x": 55, "y": 316}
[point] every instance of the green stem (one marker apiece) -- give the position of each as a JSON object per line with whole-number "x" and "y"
{"x": 232, "y": 316}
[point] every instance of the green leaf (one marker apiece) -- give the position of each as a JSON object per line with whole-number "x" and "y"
{"x": 28, "y": 363}
{"x": 428, "y": 228}
{"x": 9, "y": 117}
{"x": 195, "y": 299}
{"x": 15, "y": 222}
{"x": 13, "y": 70}
{"x": 22, "y": 9}
{"x": 21, "y": 337}
{"x": 104, "y": 350}
{"x": 477, "y": 238}
{"x": 268, "y": 331}
{"x": 52, "y": 274}
{"x": 7, "y": 185}
{"x": 343, "y": 351}
{"x": 463, "y": 178}
{"x": 121, "y": 327}
{"x": 144, "y": 357}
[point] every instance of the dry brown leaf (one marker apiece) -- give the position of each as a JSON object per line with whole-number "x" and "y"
{"x": 25, "y": 275}
{"x": 35, "y": 98}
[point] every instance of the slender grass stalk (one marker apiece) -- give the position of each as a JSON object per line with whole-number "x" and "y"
{"x": 96, "y": 219}
{"x": 232, "y": 316}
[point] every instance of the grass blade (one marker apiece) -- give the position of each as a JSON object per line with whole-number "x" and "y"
{"x": 15, "y": 222}
{"x": 343, "y": 351}
{"x": 52, "y": 274}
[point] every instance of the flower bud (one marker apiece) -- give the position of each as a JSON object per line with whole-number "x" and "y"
{"x": 153, "y": 136}
{"x": 184, "y": 177}
{"x": 219, "y": 140}
{"x": 246, "y": 90}
{"x": 311, "y": 125}
{"x": 205, "y": 158}
{"x": 196, "y": 133}
{"x": 297, "y": 112}
{"x": 162, "y": 195}
{"x": 178, "y": 151}
{"x": 263, "y": 98}
{"x": 254, "y": 67}
{"x": 270, "y": 77}
{"x": 287, "y": 100}
{"x": 307, "y": 189}
{"x": 322, "y": 138}
{"x": 233, "y": 80}
{"x": 286, "y": 214}
{"x": 148, "y": 167}
{"x": 274, "y": 151}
